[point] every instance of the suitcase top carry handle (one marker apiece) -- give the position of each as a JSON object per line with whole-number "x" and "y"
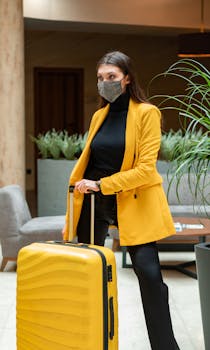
{"x": 71, "y": 214}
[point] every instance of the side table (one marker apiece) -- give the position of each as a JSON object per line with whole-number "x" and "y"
{"x": 189, "y": 230}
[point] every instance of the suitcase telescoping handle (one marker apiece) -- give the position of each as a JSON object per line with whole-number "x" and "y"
{"x": 71, "y": 214}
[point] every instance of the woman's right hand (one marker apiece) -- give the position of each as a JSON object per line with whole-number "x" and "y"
{"x": 85, "y": 186}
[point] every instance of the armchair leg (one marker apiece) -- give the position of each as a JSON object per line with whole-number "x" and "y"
{"x": 5, "y": 261}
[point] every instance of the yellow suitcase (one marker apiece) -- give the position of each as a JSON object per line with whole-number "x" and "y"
{"x": 66, "y": 297}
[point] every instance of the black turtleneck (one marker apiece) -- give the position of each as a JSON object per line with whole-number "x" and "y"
{"x": 108, "y": 146}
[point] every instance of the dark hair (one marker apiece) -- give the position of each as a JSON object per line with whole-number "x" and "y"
{"x": 122, "y": 61}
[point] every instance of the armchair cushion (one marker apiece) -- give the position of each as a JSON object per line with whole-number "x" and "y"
{"x": 42, "y": 228}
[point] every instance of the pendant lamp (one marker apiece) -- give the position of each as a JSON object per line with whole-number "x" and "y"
{"x": 195, "y": 44}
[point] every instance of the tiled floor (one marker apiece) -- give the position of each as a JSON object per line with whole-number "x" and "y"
{"x": 184, "y": 302}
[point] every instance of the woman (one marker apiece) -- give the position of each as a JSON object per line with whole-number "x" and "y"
{"x": 119, "y": 164}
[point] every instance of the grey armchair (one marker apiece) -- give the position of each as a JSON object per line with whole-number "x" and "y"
{"x": 18, "y": 228}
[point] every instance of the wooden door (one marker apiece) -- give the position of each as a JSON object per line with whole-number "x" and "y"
{"x": 58, "y": 99}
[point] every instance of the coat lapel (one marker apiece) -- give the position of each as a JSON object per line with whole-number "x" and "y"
{"x": 98, "y": 124}
{"x": 130, "y": 138}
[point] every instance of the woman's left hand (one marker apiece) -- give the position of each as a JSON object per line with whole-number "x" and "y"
{"x": 85, "y": 186}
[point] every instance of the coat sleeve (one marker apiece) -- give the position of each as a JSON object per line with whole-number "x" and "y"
{"x": 144, "y": 173}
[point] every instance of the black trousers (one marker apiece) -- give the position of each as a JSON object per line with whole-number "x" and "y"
{"x": 145, "y": 261}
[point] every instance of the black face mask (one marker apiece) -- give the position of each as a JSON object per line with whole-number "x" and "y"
{"x": 110, "y": 90}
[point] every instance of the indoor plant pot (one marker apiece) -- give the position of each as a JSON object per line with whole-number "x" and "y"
{"x": 59, "y": 153}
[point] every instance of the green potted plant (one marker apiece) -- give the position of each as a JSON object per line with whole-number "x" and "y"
{"x": 58, "y": 155}
{"x": 59, "y": 145}
{"x": 191, "y": 155}
{"x": 173, "y": 144}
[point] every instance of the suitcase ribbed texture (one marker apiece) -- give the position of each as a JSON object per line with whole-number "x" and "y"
{"x": 60, "y": 298}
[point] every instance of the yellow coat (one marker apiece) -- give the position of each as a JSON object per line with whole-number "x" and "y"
{"x": 142, "y": 209}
